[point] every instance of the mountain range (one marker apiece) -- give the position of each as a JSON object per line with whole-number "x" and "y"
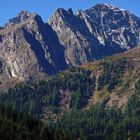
{"x": 33, "y": 49}
{"x": 77, "y": 75}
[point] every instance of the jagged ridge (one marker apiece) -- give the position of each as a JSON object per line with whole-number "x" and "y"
{"x": 33, "y": 49}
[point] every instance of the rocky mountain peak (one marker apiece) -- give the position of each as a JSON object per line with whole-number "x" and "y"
{"x": 70, "y": 11}
{"x": 62, "y": 11}
{"x": 105, "y": 6}
{"x": 61, "y": 17}
{"x": 115, "y": 24}
{"x": 21, "y": 17}
{"x": 102, "y": 6}
{"x": 30, "y": 47}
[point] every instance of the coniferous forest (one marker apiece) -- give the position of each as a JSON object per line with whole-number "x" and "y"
{"x": 20, "y": 126}
{"x": 75, "y": 76}
{"x": 97, "y": 122}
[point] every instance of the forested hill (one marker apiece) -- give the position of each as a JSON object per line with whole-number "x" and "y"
{"x": 90, "y": 101}
{"x": 116, "y": 77}
{"x": 20, "y": 126}
{"x": 112, "y": 79}
{"x": 68, "y": 90}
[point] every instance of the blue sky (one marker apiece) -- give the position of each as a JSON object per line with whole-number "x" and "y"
{"x": 45, "y": 8}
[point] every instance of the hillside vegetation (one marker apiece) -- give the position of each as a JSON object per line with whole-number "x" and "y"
{"x": 112, "y": 79}
{"x": 94, "y": 101}
{"x": 68, "y": 90}
{"x": 115, "y": 77}
{"x": 20, "y": 126}
{"x": 101, "y": 122}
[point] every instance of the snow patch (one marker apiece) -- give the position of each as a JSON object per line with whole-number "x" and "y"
{"x": 101, "y": 40}
{"x": 113, "y": 7}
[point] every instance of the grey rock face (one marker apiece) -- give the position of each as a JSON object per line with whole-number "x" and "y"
{"x": 113, "y": 26}
{"x": 1, "y": 67}
{"x": 21, "y": 17}
{"x": 27, "y": 48}
{"x": 73, "y": 34}
{"x": 30, "y": 48}
{"x": 95, "y": 33}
